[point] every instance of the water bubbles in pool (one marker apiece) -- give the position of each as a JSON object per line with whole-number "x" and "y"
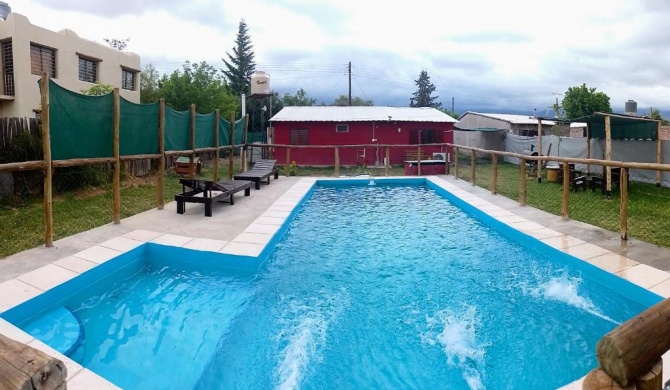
{"x": 565, "y": 289}
{"x": 304, "y": 326}
{"x": 456, "y": 333}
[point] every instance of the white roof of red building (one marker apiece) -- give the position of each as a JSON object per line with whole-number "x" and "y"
{"x": 361, "y": 114}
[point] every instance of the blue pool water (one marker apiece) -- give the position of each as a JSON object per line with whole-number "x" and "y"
{"x": 369, "y": 287}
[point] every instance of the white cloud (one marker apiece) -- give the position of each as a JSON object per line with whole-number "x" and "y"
{"x": 512, "y": 54}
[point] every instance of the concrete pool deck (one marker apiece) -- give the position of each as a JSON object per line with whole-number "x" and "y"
{"x": 246, "y": 227}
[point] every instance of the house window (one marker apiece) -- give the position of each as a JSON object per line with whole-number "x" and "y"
{"x": 425, "y": 136}
{"x": 128, "y": 79}
{"x": 342, "y": 128}
{"x": 299, "y": 137}
{"x": 8, "y": 68}
{"x": 88, "y": 69}
{"x": 42, "y": 59}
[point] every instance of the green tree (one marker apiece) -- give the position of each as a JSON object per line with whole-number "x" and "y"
{"x": 343, "y": 100}
{"x": 423, "y": 97}
{"x": 200, "y": 84}
{"x": 582, "y": 101}
{"x": 299, "y": 99}
{"x": 149, "y": 84}
{"x": 452, "y": 114}
{"x": 240, "y": 65}
{"x": 98, "y": 89}
{"x": 656, "y": 115}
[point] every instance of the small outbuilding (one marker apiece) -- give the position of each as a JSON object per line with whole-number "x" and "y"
{"x": 359, "y": 125}
{"x": 522, "y": 125}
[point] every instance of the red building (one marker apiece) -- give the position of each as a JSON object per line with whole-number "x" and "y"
{"x": 359, "y": 125}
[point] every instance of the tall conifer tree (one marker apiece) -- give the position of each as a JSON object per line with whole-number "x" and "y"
{"x": 423, "y": 95}
{"x": 240, "y": 65}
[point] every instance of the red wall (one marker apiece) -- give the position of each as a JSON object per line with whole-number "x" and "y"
{"x": 323, "y": 133}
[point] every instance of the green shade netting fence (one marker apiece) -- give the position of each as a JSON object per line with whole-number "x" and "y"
{"x": 621, "y": 126}
{"x": 138, "y": 133}
{"x": 224, "y": 132}
{"x": 80, "y": 125}
{"x": 177, "y": 129}
{"x": 204, "y": 130}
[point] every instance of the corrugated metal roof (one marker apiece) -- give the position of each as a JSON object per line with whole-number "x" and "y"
{"x": 577, "y": 124}
{"x": 361, "y": 114}
{"x": 511, "y": 118}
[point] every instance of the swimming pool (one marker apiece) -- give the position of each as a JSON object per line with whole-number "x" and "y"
{"x": 370, "y": 286}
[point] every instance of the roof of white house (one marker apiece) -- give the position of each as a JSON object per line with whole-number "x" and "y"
{"x": 577, "y": 124}
{"x": 360, "y": 114}
{"x": 511, "y": 118}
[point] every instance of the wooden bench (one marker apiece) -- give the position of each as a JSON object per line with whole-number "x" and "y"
{"x": 413, "y": 155}
{"x": 200, "y": 191}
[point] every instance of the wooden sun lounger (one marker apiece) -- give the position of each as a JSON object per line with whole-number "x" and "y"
{"x": 261, "y": 171}
{"x": 201, "y": 191}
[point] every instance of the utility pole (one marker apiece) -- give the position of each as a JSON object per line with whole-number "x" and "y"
{"x": 452, "y": 105}
{"x": 349, "y": 83}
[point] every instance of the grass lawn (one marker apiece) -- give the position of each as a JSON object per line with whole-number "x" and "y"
{"x": 87, "y": 208}
{"x": 648, "y": 206}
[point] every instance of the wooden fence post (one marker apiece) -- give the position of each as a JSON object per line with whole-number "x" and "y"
{"x": 288, "y": 161}
{"x": 565, "y": 200}
{"x": 246, "y": 129}
{"x": 456, "y": 162}
{"x": 337, "y": 162}
{"x": 387, "y": 161}
{"x": 217, "y": 118}
{"x": 243, "y": 152}
{"x": 232, "y": 148}
{"x": 659, "y": 153}
{"x": 473, "y": 159}
{"x": 623, "y": 210}
{"x": 494, "y": 174}
{"x": 522, "y": 189}
{"x": 191, "y": 158}
{"x": 161, "y": 151}
{"x": 608, "y": 156}
{"x": 48, "y": 173}
{"x": 117, "y": 157}
{"x": 539, "y": 150}
{"x": 418, "y": 161}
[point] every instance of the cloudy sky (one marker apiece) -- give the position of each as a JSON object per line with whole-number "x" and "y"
{"x": 488, "y": 55}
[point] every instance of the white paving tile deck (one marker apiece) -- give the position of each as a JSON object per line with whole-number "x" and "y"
{"x": 171, "y": 240}
{"x": 262, "y": 228}
{"x": 122, "y": 244}
{"x": 14, "y": 333}
{"x": 644, "y": 275}
{"x": 98, "y": 254}
{"x": 243, "y": 249}
{"x": 75, "y": 264}
{"x": 612, "y": 262}
{"x": 87, "y": 380}
{"x": 48, "y": 277}
{"x": 14, "y": 292}
{"x": 205, "y": 244}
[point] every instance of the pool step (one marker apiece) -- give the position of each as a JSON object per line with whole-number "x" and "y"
{"x": 61, "y": 330}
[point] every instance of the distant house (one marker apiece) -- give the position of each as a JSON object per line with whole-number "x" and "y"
{"x": 514, "y": 124}
{"x": 577, "y": 129}
{"x": 357, "y": 125}
{"x": 74, "y": 63}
